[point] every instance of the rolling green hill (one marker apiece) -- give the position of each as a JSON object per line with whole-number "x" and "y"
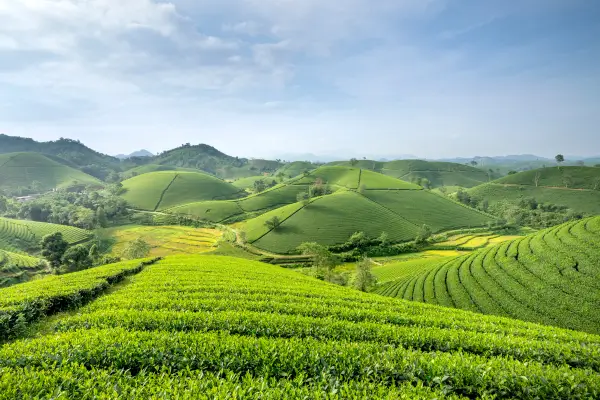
{"x": 72, "y": 151}
{"x": 550, "y": 277}
{"x": 579, "y": 200}
{"x": 21, "y": 236}
{"x": 581, "y": 195}
{"x": 565, "y": 177}
{"x": 165, "y": 189}
{"x": 333, "y": 219}
{"x": 144, "y": 169}
{"x": 218, "y": 327}
{"x": 286, "y": 193}
{"x": 295, "y": 168}
{"x": 23, "y": 169}
{"x": 437, "y": 172}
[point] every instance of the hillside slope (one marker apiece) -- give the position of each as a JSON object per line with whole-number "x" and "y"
{"x": 23, "y": 236}
{"x": 437, "y": 172}
{"x": 551, "y": 277}
{"x": 71, "y": 150}
{"x": 333, "y": 219}
{"x": 577, "y": 188}
{"x": 218, "y": 327}
{"x": 165, "y": 189}
{"x": 564, "y": 177}
{"x": 23, "y": 169}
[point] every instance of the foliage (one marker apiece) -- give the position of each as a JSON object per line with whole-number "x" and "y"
{"x": 363, "y": 278}
{"x": 273, "y": 222}
{"x": 323, "y": 260}
{"x": 424, "y": 234}
{"x": 220, "y": 327}
{"x": 76, "y": 258}
{"x": 137, "y": 248}
{"x": 54, "y": 248}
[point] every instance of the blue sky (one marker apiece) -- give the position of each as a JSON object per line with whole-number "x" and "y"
{"x": 434, "y": 78}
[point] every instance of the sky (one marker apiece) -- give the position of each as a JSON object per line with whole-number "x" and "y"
{"x": 262, "y": 78}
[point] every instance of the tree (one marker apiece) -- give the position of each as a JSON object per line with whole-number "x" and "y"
{"x": 273, "y": 222}
{"x": 280, "y": 176}
{"x": 353, "y": 162}
{"x": 424, "y": 234}
{"x": 323, "y": 260}
{"x": 76, "y": 258}
{"x": 259, "y": 185}
{"x": 443, "y": 190}
{"x": 303, "y": 197}
{"x": 362, "y": 189}
{"x": 474, "y": 163}
{"x": 567, "y": 180}
{"x": 490, "y": 174}
{"x": 364, "y": 278}
{"x": 53, "y": 248}
{"x": 559, "y": 159}
{"x": 94, "y": 253}
{"x": 597, "y": 183}
{"x": 536, "y": 178}
{"x": 138, "y": 248}
{"x": 3, "y": 204}
{"x": 101, "y": 217}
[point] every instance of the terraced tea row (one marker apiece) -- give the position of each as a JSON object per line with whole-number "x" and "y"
{"x": 18, "y": 235}
{"x": 550, "y": 277}
{"x": 24, "y": 303}
{"x": 230, "y": 323}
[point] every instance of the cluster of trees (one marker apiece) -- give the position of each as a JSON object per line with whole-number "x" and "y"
{"x": 63, "y": 258}
{"x": 87, "y": 209}
{"x": 529, "y": 212}
{"x": 524, "y": 212}
{"x": 325, "y": 262}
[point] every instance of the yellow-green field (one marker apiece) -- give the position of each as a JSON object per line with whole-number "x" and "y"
{"x": 475, "y": 241}
{"x": 167, "y": 240}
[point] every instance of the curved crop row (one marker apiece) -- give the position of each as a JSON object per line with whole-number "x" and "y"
{"x": 229, "y": 323}
{"x": 550, "y": 277}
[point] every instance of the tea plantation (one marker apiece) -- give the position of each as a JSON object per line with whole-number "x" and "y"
{"x": 551, "y": 277}
{"x": 219, "y": 327}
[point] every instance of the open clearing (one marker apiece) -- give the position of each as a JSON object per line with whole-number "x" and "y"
{"x": 166, "y": 240}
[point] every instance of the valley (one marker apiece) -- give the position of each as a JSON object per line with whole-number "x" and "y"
{"x": 194, "y": 272}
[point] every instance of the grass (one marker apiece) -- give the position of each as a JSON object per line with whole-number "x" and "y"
{"x": 165, "y": 240}
{"x": 22, "y": 169}
{"x": 248, "y": 183}
{"x": 585, "y": 201}
{"x": 219, "y": 327}
{"x": 339, "y": 176}
{"x": 550, "y": 277}
{"x": 162, "y": 190}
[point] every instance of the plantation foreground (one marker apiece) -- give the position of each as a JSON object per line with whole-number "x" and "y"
{"x": 219, "y": 327}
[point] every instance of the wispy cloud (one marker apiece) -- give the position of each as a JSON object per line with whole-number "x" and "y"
{"x": 435, "y": 77}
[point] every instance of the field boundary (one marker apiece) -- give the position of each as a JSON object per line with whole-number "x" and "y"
{"x": 162, "y": 195}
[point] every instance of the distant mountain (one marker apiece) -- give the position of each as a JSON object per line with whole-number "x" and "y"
{"x": 326, "y": 158}
{"x": 139, "y": 153}
{"x": 73, "y": 151}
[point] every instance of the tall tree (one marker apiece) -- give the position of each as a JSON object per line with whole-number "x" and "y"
{"x": 323, "y": 260}
{"x": 559, "y": 159}
{"x": 76, "y": 258}
{"x": 353, "y": 162}
{"x": 363, "y": 277}
{"x": 53, "y": 248}
{"x": 138, "y": 248}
